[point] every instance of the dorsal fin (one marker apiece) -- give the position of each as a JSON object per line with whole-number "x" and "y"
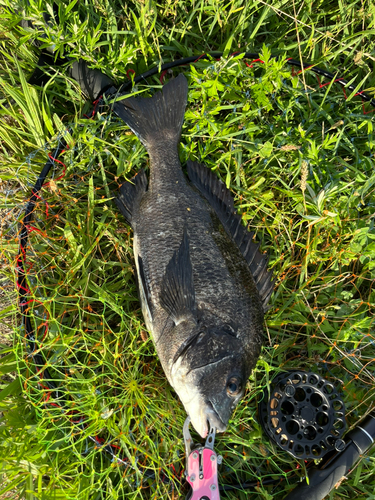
{"x": 220, "y": 198}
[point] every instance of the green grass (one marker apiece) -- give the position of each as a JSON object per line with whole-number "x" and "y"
{"x": 298, "y": 159}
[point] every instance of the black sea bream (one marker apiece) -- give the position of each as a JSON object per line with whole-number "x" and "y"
{"x": 203, "y": 284}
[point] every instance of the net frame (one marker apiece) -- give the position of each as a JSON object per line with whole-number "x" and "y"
{"x": 48, "y": 391}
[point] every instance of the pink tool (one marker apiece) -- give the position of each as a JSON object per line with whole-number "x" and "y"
{"x": 201, "y": 467}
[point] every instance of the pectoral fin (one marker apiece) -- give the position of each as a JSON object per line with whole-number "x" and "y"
{"x": 177, "y": 295}
{"x": 145, "y": 294}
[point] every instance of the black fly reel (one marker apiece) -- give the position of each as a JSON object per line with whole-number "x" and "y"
{"x": 304, "y": 415}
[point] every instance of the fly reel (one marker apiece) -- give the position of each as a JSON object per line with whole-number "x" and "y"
{"x": 304, "y": 415}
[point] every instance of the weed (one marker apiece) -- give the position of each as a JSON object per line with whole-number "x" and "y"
{"x": 297, "y": 156}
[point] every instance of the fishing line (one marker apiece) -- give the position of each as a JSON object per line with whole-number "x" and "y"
{"x": 247, "y": 55}
{"x": 24, "y": 292}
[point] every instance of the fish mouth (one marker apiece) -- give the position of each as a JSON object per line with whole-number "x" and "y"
{"x": 207, "y": 419}
{"x": 215, "y": 420}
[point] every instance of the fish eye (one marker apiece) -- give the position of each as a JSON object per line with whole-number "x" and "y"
{"x": 234, "y": 386}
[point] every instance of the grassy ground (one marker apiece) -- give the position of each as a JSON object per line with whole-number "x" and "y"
{"x": 297, "y": 156}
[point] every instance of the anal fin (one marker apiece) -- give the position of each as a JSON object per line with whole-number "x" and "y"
{"x": 130, "y": 195}
{"x": 177, "y": 295}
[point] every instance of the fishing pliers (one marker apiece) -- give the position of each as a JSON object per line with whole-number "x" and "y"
{"x": 201, "y": 466}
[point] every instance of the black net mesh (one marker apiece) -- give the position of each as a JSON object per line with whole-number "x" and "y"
{"x": 299, "y": 162}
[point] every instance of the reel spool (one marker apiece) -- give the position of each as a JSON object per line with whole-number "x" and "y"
{"x": 304, "y": 415}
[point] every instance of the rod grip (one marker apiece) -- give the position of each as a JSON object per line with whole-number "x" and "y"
{"x": 322, "y": 481}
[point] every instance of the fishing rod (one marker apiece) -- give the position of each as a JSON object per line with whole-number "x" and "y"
{"x": 99, "y": 87}
{"x": 323, "y": 479}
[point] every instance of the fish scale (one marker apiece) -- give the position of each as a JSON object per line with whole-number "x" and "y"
{"x": 202, "y": 282}
{"x": 213, "y": 284}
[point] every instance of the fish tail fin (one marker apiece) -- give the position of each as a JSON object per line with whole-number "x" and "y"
{"x": 158, "y": 118}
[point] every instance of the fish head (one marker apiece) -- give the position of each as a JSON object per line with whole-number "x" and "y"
{"x": 209, "y": 375}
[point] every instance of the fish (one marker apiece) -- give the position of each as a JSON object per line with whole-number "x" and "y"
{"x": 203, "y": 283}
